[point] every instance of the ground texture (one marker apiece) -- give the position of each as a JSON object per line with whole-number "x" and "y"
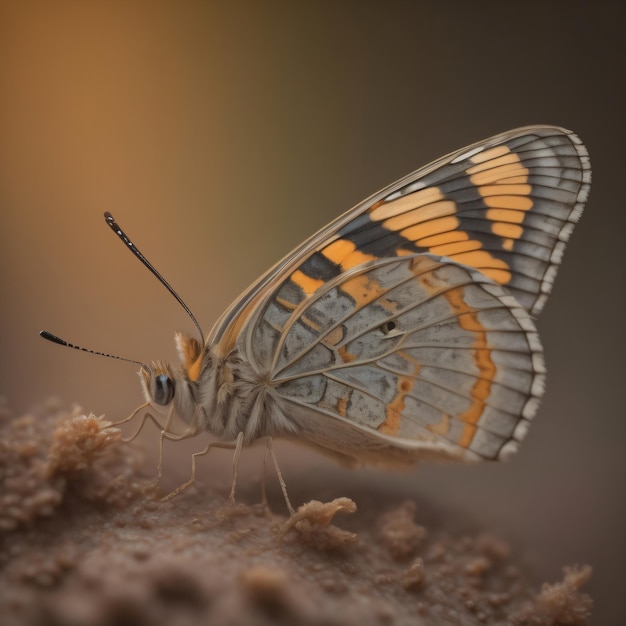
{"x": 85, "y": 540}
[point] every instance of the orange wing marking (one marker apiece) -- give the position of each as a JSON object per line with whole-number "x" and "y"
{"x": 393, "y": 417}
{"x": 342, "y": 406}
{"x": 344, "y": 253}
{"x": 306, "y": 283}
{"x": 502, "y": 182}
{"x": 468, "y": 320}
{"x": 426, "y": 218}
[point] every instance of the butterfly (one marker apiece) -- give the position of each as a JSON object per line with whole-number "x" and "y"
{"x": 403, "y": 330}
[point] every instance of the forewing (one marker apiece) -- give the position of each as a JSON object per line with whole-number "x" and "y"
{"x": 505, "y": 206}
{"x": 416, "y": 349}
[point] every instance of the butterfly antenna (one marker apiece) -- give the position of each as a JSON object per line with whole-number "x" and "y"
{"x": 50, "y": 337}
{"x": 131, "y": 246}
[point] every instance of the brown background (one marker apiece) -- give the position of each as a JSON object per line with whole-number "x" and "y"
{"x": 220, "y": 136}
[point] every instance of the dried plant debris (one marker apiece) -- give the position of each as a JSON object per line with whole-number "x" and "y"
{"x": 313, "y": 521}
{"x": 25, "y": 492}
{"x": 78, "y": 442}
{"x": 85, "y": 541}
{"x": 43, "y": 454}
{"x": 414, "y": 577}
{"x": 560, "y": 603}
{"x": 399, "y": 532}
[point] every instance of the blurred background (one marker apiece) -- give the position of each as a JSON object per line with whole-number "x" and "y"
{"x": 220, "y": 135}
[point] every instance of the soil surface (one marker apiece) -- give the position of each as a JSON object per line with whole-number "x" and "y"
{"x": 85, "y": 540}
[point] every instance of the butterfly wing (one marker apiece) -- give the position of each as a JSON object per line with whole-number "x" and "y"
{"x": 413, "y": 353}
{"x": 505, "y": 206}
{"x": 404, "y": 327}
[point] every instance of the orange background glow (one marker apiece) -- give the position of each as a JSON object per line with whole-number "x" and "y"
{"x": 220, "y": 135}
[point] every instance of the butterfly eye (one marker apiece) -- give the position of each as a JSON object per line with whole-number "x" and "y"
{"x": 387, "y": 327}
{"x": 163, "y": 389}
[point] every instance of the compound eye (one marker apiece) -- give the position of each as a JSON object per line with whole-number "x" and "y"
{"x": 163, "y": 389}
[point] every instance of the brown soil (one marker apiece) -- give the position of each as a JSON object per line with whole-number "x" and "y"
{"x": 84, "y": 540}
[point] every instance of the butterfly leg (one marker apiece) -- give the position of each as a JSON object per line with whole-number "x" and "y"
{"x": 166, "y": 433}
{"x": 130, "y": 417}
{"x": 283, "y": 486}
{"x": 238, "y": 446}
{"x": 225, "y": 445}
{"x": 163, "y": 428}
{"x": 144, "y": 419}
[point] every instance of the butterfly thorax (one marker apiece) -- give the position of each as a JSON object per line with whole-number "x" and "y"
{"x": 223, "y": 394}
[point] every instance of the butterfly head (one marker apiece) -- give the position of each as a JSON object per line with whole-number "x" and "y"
{"x": 158, "y": 383}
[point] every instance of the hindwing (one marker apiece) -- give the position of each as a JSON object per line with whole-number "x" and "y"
{"x": 417, "y": 348}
